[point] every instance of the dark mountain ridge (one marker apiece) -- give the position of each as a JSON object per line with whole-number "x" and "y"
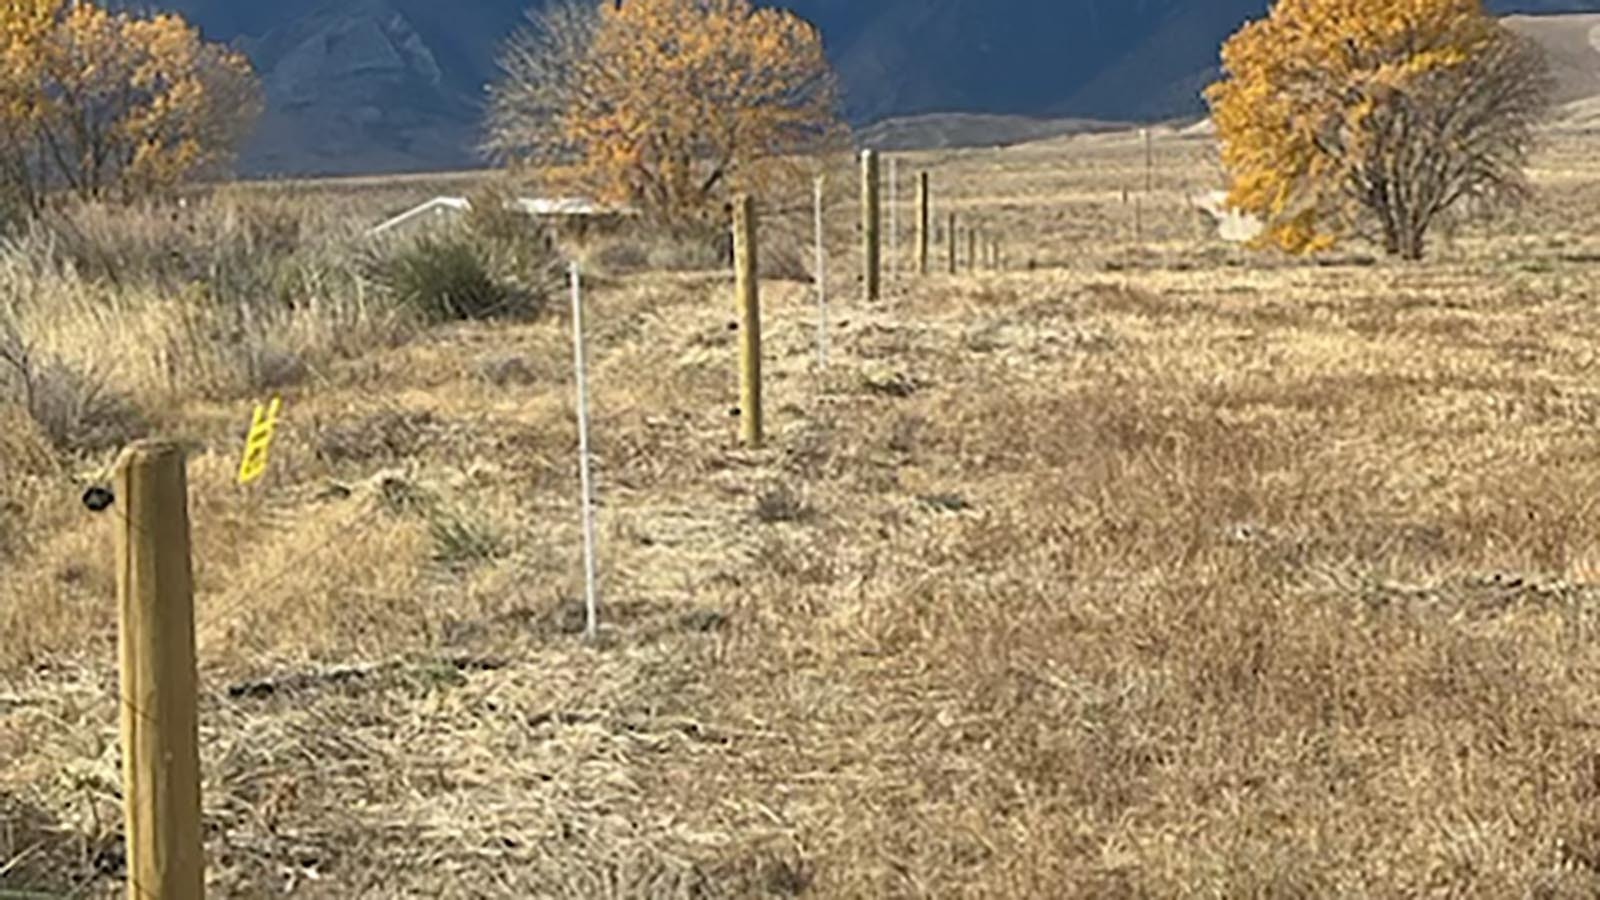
{"x": 394, "y": 85}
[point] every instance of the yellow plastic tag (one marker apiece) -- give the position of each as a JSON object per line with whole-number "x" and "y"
{"x": 262, "y": 427}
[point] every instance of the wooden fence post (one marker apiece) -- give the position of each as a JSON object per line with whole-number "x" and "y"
{"x": 923, "y": 223}
{"x": 746, "y": 287}
{"x": 894, "y": 218}
{"x": 1149, "y": 161}
{"x": 870, "y": 238}
{"x": 950, "y": 238}
{"x": 972, "y": 249}
{"x": 156, "y": 646}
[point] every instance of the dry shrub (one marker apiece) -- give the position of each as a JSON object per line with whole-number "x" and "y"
{"x": 780, "y": 503}
{"x": 25, "y": 451}
{"x": 785, "y": 252}
{"x": 518, "y": 247}
{"x": 231, "y": 294}
{"x": 650, "y": 248}
{"x": 33, "y": 862}
{"x": 26, "y": 456}
{"x": 388, "y": 435}
{"x": 617, "y": 256}
{"x": 74, "y": 406}
{"x": 237, "y": 244}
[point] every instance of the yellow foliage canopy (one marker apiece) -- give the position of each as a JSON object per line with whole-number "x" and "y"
{"x": 96, "y": 101}
{"x": 1333, "y": 111}
{"x": 672, "y": 103}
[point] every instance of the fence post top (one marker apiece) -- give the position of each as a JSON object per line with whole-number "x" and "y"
{"x": 146, "y": 449}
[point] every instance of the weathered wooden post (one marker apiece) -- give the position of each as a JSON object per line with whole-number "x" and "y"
{"x": 746, "y": 287}
{"x": 950, "y": 238}
{"x": 156, "y": 646}
{"x": 894, "y": 218}
{"x": 924, "y": 223}
{"x": 870, "y": 238}
{"x": 1149, "y": 161}
{"x": 972, "y": 249}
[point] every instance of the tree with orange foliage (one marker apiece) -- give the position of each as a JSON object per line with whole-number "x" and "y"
{"x": 105, "y": 104}
{"x": 669, "y": 104}
{"x": 1375, "y": 118}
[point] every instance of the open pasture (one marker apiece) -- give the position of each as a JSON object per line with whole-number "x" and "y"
{"x": 1145, "y": 566}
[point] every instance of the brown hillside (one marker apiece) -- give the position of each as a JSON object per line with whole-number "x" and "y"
{"x": 1573, "y": 42}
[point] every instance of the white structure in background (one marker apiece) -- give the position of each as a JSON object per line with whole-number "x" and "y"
{"x": 537, "y": 207}
{"x": 437, "y": 207}
{"x": 1233, "y": 226}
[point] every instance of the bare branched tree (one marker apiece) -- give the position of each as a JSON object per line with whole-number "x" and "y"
{"x": 543, "y": 68}
{"x": 1457, "y": 139}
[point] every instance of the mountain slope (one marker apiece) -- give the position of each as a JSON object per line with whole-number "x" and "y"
{"x": 1573, "y": 45}
{"x": 391, "y": 85}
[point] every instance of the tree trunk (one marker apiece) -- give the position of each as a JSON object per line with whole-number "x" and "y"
{"x": 1391, "y": 239}
{"x": 1412, "y": 242}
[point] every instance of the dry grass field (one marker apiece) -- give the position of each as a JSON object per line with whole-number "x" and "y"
{"x": 1149, "y": 567}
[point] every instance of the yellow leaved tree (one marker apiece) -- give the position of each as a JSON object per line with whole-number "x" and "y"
{"x": 111, "y": 105}
{"x": 1375, "y": 118}
{"x": 668, "y": 104}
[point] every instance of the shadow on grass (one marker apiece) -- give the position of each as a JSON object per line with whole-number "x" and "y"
{"x": 40, "y": 859}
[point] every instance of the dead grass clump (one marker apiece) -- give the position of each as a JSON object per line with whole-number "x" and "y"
{"x": 386, "y": 435}
{"x": 222, "y": 297}
{"x": 464, "y": 538}
{"x": 37, "y": 856}
{"x": 74, "y": 407}
{"x": 786, "y": 249}
{"x": 506, "y": 371}
{"x": 654, "y": 248}
{"x": 26, "y": 458}
{"x": 238, "y": 244}
{"x": 780, "y": 503}
{"x": 1121, "y": 299}
{"x": 25, "y": 451}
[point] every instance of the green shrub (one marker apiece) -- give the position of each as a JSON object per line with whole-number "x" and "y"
{"x": 442, "y": 279}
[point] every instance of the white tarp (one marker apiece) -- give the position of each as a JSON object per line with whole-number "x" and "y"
{"x": 1233, "y": 226}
